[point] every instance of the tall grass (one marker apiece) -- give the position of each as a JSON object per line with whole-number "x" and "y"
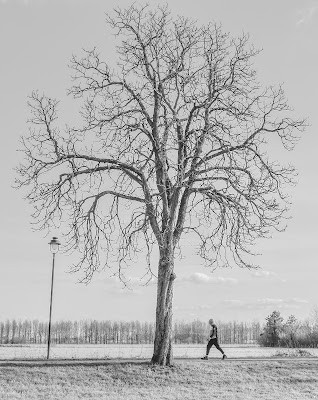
{"x": 257, "y": 380}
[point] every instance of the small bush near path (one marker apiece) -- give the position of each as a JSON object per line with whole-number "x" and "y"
{"x": 213, "y": 379}
{"x": 293, "y": 353}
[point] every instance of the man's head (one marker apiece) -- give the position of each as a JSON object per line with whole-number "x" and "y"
{"x": 211, "y": 321}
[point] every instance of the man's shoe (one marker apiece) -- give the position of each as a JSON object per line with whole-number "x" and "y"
{"x": 224, "y": 357}
{"x": 204, "y": 358}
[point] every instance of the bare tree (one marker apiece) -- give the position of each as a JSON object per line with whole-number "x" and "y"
{"x": 290, "y": 329}
{"x": 173, "y": 141}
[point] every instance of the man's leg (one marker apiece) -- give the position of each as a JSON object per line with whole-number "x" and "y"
{"x": 216, "y": 344}
{"x": 208, "y": 347}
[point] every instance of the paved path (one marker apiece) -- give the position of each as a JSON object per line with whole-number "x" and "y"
{"x": 92, "y": 362}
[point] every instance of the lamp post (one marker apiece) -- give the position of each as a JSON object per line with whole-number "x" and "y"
{"x": 54, "y": 247}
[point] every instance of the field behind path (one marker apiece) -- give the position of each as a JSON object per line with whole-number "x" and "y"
{"x": 124, "y": 351}
{"x": 193, "y": 379}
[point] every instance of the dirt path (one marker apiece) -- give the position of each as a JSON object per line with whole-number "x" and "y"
{"x": 92, "y": 362}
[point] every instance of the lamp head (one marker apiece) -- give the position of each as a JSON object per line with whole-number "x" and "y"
{"x": 54, "y": 245}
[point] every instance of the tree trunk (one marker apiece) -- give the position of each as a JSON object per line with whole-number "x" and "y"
{"x": 163, "y": 335}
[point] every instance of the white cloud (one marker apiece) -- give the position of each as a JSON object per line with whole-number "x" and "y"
{"x": 267, "y": 303}
{"x": 306, "y": 14}
{"x": 24, "y": 2}
{"x": 234, "y": 303}
{"x": 200, "y": 278}
{"x": 116, "y": 286}
{"x": 194, "y": 312}
{"x": 263, "y": 274}
{"x": 195, "y": 307}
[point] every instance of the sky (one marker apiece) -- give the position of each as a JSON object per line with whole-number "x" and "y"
{"x": 37, "y": 40}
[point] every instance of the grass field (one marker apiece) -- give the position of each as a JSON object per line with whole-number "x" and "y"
{"x": 188, "y": 379}
{"x": 134, "y": 351}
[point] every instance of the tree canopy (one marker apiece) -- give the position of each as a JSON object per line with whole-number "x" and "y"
{"x": 173, "y": 140}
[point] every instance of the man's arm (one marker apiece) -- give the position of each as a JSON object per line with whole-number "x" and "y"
{"x": 213, "y": 333}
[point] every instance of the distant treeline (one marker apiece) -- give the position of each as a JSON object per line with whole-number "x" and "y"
{"x": 120, "y": 332}
{"x": 274, "y": 332}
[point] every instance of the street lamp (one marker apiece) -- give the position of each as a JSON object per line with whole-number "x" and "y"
{"x": 54, "y": 247}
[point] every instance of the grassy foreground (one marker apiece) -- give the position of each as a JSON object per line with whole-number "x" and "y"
{"x": 193, "y": 379}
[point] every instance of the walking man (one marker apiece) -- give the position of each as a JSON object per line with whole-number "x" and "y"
{"x": 213, "y": 341}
